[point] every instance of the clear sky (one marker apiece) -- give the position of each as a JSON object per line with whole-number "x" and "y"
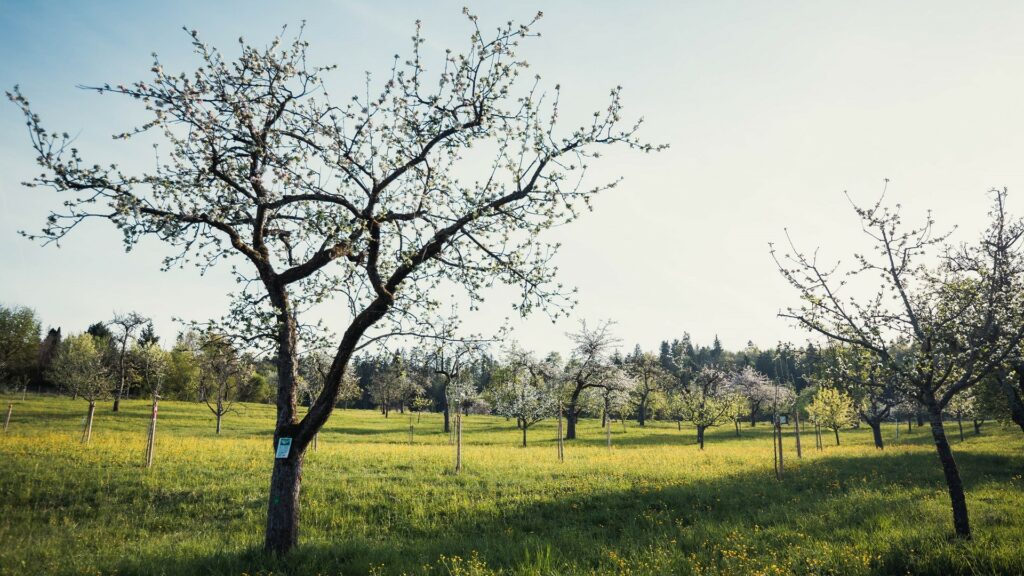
{"x": 772, "y": 110}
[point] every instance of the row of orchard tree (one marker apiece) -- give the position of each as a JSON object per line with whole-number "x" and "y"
{"x": 705, "y": 386}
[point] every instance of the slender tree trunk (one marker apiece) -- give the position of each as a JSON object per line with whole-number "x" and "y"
{"x": 960, "y": 424}
{"x": 641, "y": 414}
{"x": 7, "y": 418}
{"x": 977, "y": 426}
{"x": 909, "y": 426}
{"x": 737, "y": 422}
{"x": 315, "y": 438}
{"x": 920, "y": 419}
{"x": 876, "y": 433}
{"x": 836, "y": 430}
{"x": 796, "y": 425}
{"x": 961, "y": 524}
{"x": 524, "y": 434}
{"x": 679, "y": 425}
{"x": 608, "y": 432}
{"x": 753, "y": 417}
{"x": 120, "y": 388}
{"x": 447, "y": 423}
{"x": 700, "y": 436}
{"x": 87, "y": 433}
{"x": 219, "y": 415}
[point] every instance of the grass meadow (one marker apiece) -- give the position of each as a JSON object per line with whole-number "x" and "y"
{"x": 372, "y": 503}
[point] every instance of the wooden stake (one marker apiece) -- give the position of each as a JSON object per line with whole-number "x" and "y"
{"x": 7, "y": 419}
{"x": 778, "y": 435}
{"x": 87, "y": 433}
{"x": 796, "y": 423}
{"x": 151, "y": 440}
{"x": 458, "y": 442}
{"x": 775, "y": 453}
{"x": 561, "y": 445}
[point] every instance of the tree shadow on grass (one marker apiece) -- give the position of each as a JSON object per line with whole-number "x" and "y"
{"x": 820, "y": 518}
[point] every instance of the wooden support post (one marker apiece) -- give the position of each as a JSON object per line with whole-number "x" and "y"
{"x": 151, "y": 440}
{"x": 7, "y": 419}
{"x": 796, "y": 424}
{"x": 561, "y": 444}
{"x": 458, "y": 442}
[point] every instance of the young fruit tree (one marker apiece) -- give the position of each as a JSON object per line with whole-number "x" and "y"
{"x": 448, "y": 174}
{"x": 520, "y": 390}
{"x": 755, "y": 387}
{"x": 615, "y": 399}
{"x": 391, "y": 385}
{"x": 78, "y": 368}
{"x": 705, "y": 401}
{"x": 832, "y": 409}
{"x": 941, "y": 329}
{"x": 313, "y": 370}
{"x": 450, "y": 359}
{"x": 589, "y": 367}
{"x": 459, "y": 392}
{"x": 122, "y": 330}
{"x": 873, "y": 388}
{"x": 960, "y": 407}
{"x": 650, "y": 380}
{"x": 151, "y": 362}
{"x": 222, "y": 370}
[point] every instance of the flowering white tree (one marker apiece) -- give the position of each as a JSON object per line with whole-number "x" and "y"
{"x": 874, "y": 387}
{"x": 616, "y": 396}
{"x": 650, "y": 378}
{"x": 963, "y": 406}
{"x": 521, "y": 391}
{"x": 375, "y": 202}
{"x": 589, "y": 367}
{"x": 705, "y": 401}
{"x": 755, "y": 387}
{"x": 942, "y": 329}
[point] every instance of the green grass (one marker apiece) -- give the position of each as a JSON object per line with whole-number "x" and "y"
{"x": 372, "y": 503}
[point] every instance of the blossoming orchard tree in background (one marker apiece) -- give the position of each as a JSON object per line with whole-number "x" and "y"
{"x": 934, "y": 331}
{"x": 364, "y": 202}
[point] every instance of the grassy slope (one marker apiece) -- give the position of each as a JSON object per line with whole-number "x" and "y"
{"x": 374, "y": 504}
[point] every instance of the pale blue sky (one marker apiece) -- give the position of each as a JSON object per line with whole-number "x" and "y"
{"x": 772, "y": 110}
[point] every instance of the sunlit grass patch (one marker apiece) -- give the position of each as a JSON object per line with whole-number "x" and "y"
{"x": 374, "y": 503}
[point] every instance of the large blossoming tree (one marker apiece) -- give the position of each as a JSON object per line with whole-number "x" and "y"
{"x": 437, "y": 179}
